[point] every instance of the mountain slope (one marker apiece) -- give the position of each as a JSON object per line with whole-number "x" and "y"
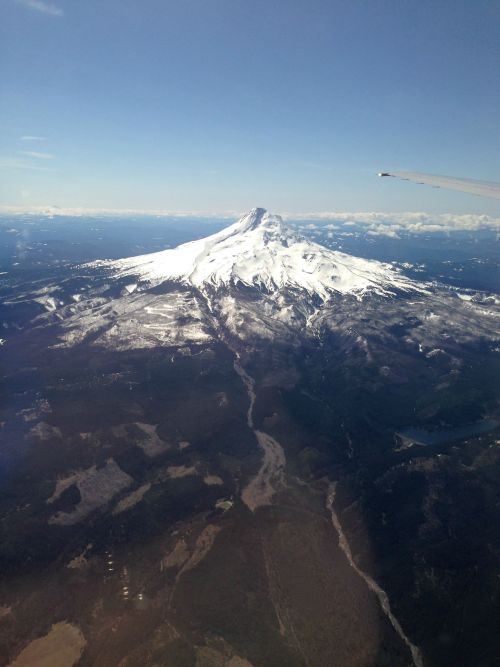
{"x": 260, "y": 250}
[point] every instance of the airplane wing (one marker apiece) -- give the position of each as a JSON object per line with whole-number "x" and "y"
{"x": 481, "y": 188}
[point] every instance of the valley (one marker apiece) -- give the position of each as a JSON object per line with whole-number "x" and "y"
{"x": 202, "y": 461}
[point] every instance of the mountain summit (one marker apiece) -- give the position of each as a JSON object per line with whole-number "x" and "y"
{"x": 261, "y": 251}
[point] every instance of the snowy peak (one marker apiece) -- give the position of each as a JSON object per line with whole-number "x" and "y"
{"x": 259, "y": 219}
{"x": 263, "y": 227}
{"x": 260, "y": 250}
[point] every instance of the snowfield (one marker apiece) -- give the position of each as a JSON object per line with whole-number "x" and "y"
{"x": 260, "y": 250}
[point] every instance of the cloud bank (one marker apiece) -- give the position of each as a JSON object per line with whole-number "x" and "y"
{"x": 391, "y": 224}
{"x": 375, "y": 223}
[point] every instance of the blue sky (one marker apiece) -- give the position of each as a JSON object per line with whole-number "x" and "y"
{"x": 218, "y": 105}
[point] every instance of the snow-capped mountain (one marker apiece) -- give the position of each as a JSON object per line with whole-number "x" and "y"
{"x": 260, "y": 250}
{"x": 255, "y": 280}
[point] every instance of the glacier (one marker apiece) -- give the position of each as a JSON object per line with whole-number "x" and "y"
{"x": 261, "y": 251}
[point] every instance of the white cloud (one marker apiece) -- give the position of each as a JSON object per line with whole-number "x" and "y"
{"x": 37, "y": 155}
{"x": 10, "y": 163}
{"x": 374, "y": 223}
{"x": 230, "y": 215}
{"x": 42, "y": 6}
{"x": 389, "y": 224}
{"x": 32, "y": 137}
